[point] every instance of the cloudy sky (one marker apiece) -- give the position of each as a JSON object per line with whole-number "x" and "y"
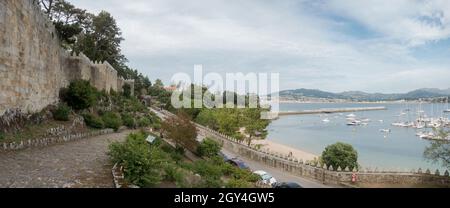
{"x": 334, "y": 45}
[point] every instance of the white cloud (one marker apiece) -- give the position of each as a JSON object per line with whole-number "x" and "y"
{"x": 302, "y": 40}
{"x": 412, "y": 22}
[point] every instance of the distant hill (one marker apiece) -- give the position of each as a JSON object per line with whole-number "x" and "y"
{"x": 363, "y": 96}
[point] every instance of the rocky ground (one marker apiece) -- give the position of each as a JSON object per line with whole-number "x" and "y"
{"x": 78, "y": 164}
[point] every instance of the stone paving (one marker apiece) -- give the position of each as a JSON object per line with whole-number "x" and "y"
{"x": 78, "y": 164}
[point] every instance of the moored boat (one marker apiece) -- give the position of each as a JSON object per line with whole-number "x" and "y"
{"x": 351, "y": 116}
{"x": 385, "y": 130}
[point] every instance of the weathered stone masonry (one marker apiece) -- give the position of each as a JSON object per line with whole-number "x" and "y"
{"x": 34, "y": 67}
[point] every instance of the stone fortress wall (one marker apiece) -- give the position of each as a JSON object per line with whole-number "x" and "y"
{"x": 34, "y": 66}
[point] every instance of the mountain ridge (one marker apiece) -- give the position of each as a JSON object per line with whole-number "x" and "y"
{"x": 422, "y": 93}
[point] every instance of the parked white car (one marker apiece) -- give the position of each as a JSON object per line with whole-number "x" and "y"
{"x": 266, "y": 178}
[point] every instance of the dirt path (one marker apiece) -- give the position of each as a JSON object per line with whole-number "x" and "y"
{"x": 78, "y": 164}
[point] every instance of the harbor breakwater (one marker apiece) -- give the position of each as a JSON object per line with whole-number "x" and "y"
{"x": 331, "y": 110}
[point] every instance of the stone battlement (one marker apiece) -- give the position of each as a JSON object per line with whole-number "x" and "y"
{"x": 34, "y": 66}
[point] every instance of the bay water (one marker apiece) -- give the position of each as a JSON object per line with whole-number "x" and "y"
{"x": 400, "y": 150}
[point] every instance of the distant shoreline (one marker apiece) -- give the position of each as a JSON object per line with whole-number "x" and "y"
{"x": 352, "y": 102}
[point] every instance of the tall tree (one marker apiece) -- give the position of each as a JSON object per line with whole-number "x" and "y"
{"x": 97, "y": 36}
{"x": 439, "y": 151}
{"x": 68, "y": 19}
{"x": 101, "y": 41}
{"x": 47, "y": 5}
{"x": 255, "y": 127}
{"x": 340, "y": 155}
{"x": 158, "y": 84}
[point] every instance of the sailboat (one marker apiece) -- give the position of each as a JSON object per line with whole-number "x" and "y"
{"x": 448, "y": 108}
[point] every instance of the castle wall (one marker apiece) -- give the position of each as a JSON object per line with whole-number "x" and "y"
{"x": 34, "y": 67}
{"x": 31, "y": 58}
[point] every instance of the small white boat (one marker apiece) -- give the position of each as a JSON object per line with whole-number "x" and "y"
{"x": 352, "y": 123}
{"x": 429, "y": 136}
{"x": 326, "y": 120}
{"x": 351, "y": 115}
{"x": 403, "y": 124}
{"x": 385, "y": 130}
{"x": 419, "y": 126}
{"x": 447, "y": 111}
{"x": 398, "y": 124}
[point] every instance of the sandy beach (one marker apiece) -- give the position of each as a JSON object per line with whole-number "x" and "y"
{"x": 285, "y": 150}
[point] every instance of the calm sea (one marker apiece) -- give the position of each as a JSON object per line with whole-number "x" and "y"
{"x": 399, "y": 150}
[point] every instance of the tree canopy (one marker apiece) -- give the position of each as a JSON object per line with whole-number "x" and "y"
{"x": 439, "y": 151}
{"x": 209, "y": 148}
{"x": 97, "y": 36}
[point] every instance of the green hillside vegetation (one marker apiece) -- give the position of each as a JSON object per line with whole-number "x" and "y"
{"x": 154, "y": 165}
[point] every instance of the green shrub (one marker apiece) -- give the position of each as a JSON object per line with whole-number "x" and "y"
{"x": 176, "y": 157}
{"x": 207, "y": 169}
{"x": 238, "y": 183}
{"x": 180, "y": 150}
{"x": 113, "y": 93}
{"x": 112, "y": 120}
{"x": 246, "y": 175}
{"x": 144, "y": 122}
{"x": 2, "y": 136}
{"x": 209, "y": 182}
{"x": 208, "y": 148}
{"x": 174, "y": 154}
{"x": 143, "y": 164}
{"x": 128, "y": 121}
{"x": 168, "y": 149}
{"x": 62, "y": 113}
{"x": 227, "y": 168}
{"x": 131, "y": 105}
{"x": 93, "y": 121}
{"x": 126, "y": 90}
{"x": 156, "y": 126}
{"x": 340, "y": 155}
{"x": 79, "y": 95}
{"x": 172, "y": 174}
